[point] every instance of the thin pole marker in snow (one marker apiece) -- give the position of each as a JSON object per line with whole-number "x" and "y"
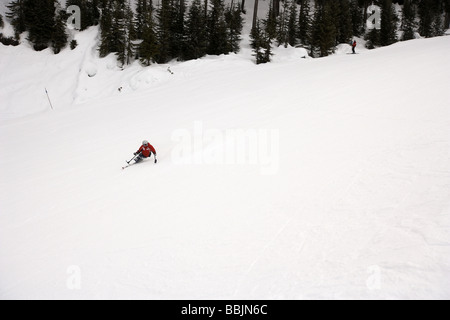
{"x": 48, "y": 98}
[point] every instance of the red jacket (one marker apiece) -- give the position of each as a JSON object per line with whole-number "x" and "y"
{"x": 354, "y": 44}
{"x": 147, "y": 150}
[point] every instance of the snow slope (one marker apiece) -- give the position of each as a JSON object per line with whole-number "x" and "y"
{"x": 344, "y": 192}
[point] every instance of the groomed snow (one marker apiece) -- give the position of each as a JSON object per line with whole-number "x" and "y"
{"x": 347, "y": 196}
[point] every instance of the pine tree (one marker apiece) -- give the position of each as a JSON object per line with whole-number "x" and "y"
{"x": 1, "y": 21}
{"x": 335, "y": 12}
{"x": 357, "y": 18}
{"x": 408, "y": 21}
{"x": 282, "y": 33}
{"x": 149, "y": 47}
{"x": 373, "y": 38}
{"x": 324, "y": 30}
{"x": 44, "y": 23}
{"x": 256, "y": 42}
{"x": 304, "y": 24}
{"x": 270, "y": 23}
{"x": 261, "y": 42}
{"x": 218, "y": 31}
{"x": 16, "y": 14}
{"x": 40, "y": 22}
{"x": 119, "y": 31}
{"x": 388, "y": 31}
{"x": 59, "y": 36}
{"x": 165, "y": 17}
{"x": 130, "y": 34}
{"x": 293, "y": 24}
{"x": 447, "y": 14}
{"x": 106, "y": 35}
{"x": 95, "y": 13}
{"x": 344, "y": 23}
{"x": 315, "y": 29}
{"x": 286, "y": 24}
{"x": 140, "y": 17}
{"x": 73, "y": 44}
{"x": 438, "y": 25}
{"x": 234, "y": 21}
{"x": 195, "y": 41}
{"x": 267, "y": 46}
{"x": 177, "y": 28}
{"x": 439, "y": 8}
{"x": 426, "y": 15}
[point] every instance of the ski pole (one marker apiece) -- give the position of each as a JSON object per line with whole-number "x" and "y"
{"x": 131, "y": 159}
{"x": 49, "y": 98}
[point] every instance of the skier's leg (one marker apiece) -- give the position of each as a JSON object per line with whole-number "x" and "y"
{"x": 138, "y": 158}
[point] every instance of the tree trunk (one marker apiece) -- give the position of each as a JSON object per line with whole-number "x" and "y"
{"x": 255, "y": 15}
{"x": 276, "y": 8}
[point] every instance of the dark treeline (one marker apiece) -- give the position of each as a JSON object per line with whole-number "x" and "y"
{"x": 320, "y": 25}
{"x": 44, "y": 20}
{"x": 173, "y": 30}
{"x": 190, "y": 29}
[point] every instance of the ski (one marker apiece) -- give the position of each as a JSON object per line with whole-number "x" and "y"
{"x": 128, "y": 165}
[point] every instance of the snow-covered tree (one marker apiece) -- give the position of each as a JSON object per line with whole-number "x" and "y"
{"x": 117, "y": 31}
{"x": 261, "y": 42}
{"x": 16, "y": 14}
{"x": 44, "y": 21}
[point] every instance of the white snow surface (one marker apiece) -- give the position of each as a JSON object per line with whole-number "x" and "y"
{"x": 350, "y": 199}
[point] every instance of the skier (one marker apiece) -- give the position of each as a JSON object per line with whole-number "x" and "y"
{"x": 353, "y": 47}
{"x": 145, "y": 151}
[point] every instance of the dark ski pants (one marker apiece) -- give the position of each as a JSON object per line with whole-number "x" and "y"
{"x": 140, "y": 157}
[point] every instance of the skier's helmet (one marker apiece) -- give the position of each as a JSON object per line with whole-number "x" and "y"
{"x": 145, "y": 142}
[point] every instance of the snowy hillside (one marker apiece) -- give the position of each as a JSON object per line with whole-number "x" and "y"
{"x": 303, "y": 178}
